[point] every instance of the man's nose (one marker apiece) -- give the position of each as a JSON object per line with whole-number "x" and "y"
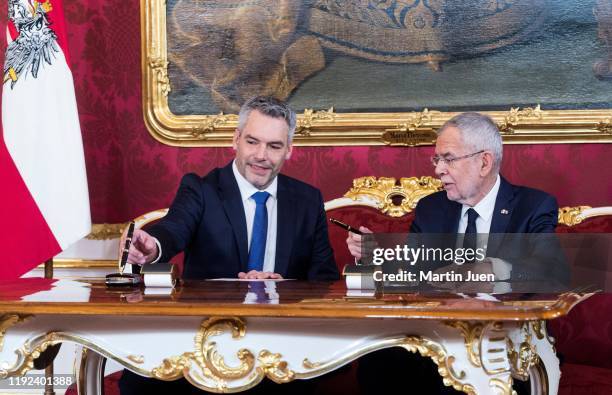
{"x": 260, "y": 152}
{"x": 441, "y": 168}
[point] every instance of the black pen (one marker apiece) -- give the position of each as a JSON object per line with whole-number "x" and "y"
{"x": 345, "y": 226}
{"x": 126, "y": 247}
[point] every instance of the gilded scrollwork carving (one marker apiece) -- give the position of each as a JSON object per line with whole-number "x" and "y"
{"x": 172, "y": 368}
{"x": 503, "y": 386}
{"x": 159, "y": 66}
{"x": 605, "y": 126}
{"x": 517, "y": 116}
{"x": 211, "y": 123}
{"x": 106, "y": 231}
{"x": 214, "y": 373}
{"x": 274, "y": 367}
{"x": 208, "y": 357}
{"x": 7, "y": 321}
{"x": 525, "y": 357}
{"x": 310, "y": 116}
{"x": 27, "y": 353}
{"x": 439, "y": 356}
{"x": 471, "y": 333}
{"x": 539, "y": 329}
{"x": 139, "y": 359}
{"x": 33, "y": 348}
{"x": 571, "y": 216}
{"x": 385, "y": 190}
{"x": 416, "y": 120}
{"x": 308, "y": 364}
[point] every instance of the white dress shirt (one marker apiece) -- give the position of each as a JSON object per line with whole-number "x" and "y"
{"x": 246, "y": 191}
{"x": 485, "y": 209}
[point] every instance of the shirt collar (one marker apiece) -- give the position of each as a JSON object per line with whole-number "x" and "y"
{"x": 485, "y": 207}
{"x": 247, "y": 189}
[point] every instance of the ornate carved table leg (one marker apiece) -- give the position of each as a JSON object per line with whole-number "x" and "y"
{"x": 545, "y": 375}
{"x": 90, "y": 373}
{"x": 480, "y": 355}
{"x": 533, "y": 356}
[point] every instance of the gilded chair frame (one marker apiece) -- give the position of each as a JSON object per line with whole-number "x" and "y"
{"x": 382, "y": 193}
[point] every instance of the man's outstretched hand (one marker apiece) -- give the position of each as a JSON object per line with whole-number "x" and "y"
{"x": 143, "y": 248}
{"x": 255, "y": 275}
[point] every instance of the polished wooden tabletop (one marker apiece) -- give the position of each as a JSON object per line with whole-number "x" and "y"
{"x": 271, "y": 299}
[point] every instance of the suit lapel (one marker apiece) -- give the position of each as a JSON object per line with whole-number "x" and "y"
{"x": 450, "y": 224}
{"x": 234, "y": 210}
{"x": 453, "y": 214}
{"x": 501, "y": 214}
{"x": 503, "y": 207}
{"x": 285, "y": 226}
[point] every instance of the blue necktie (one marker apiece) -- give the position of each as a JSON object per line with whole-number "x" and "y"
{"x": 259, "y": 289}
{"x": 469, "y": 239}
{"x": 257, "y": 251}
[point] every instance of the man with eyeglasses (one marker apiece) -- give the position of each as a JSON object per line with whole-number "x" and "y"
{"x": 475, "y": 200}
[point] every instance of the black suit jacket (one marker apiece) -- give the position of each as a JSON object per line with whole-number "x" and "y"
{"x": 517, "y": 210}
{"x": 207, "y": 221}
{"x": 528, "y": 211}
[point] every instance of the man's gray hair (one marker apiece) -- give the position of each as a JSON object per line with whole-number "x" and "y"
{"x": 480, "y": 133}
{"x": 271, "y": 107}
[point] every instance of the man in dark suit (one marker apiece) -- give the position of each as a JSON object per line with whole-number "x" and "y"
{"x": 244, "y": 220}
{"x": 476, "y": 200}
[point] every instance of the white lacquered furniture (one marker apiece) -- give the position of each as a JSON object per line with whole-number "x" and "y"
{"x": 225, "y": 336}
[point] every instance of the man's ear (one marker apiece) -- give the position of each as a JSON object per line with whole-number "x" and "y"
{"x": 487, "y": 163}
{"x": 289, "y": 151}
{"x": 235, "y": 139}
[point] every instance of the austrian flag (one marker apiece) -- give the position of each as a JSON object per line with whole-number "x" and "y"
{"x": 44, "y": 203}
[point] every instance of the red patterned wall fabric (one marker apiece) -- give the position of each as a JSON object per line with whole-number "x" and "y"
{"x": 131, "y": 173}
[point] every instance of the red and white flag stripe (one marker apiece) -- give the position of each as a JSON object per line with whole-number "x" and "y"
{"x": 42, "y": 166}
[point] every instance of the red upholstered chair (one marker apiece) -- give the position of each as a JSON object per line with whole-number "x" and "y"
{"x": 584, "y": 336}
{"x": 585, "y": 219}
{"x": 382, "y": 204}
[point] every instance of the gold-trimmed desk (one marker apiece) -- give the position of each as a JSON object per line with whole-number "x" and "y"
{"x": 225, "y": 336}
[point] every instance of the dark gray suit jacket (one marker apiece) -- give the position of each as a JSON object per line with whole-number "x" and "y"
{"x": 207, "y": 221}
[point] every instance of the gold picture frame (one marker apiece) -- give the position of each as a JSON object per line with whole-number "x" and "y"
{"x": 325, "y": 127}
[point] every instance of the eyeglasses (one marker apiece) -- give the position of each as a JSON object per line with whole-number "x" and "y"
{"x": 449, "y": 161}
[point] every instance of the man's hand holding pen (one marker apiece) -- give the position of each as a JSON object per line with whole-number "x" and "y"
{"x": 355, "y": 242}
{"x": 143, "y": 248}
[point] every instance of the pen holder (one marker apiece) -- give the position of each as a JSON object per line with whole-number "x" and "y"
{"x": 122, "y": 280}
{"x": 160, "y": 275}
